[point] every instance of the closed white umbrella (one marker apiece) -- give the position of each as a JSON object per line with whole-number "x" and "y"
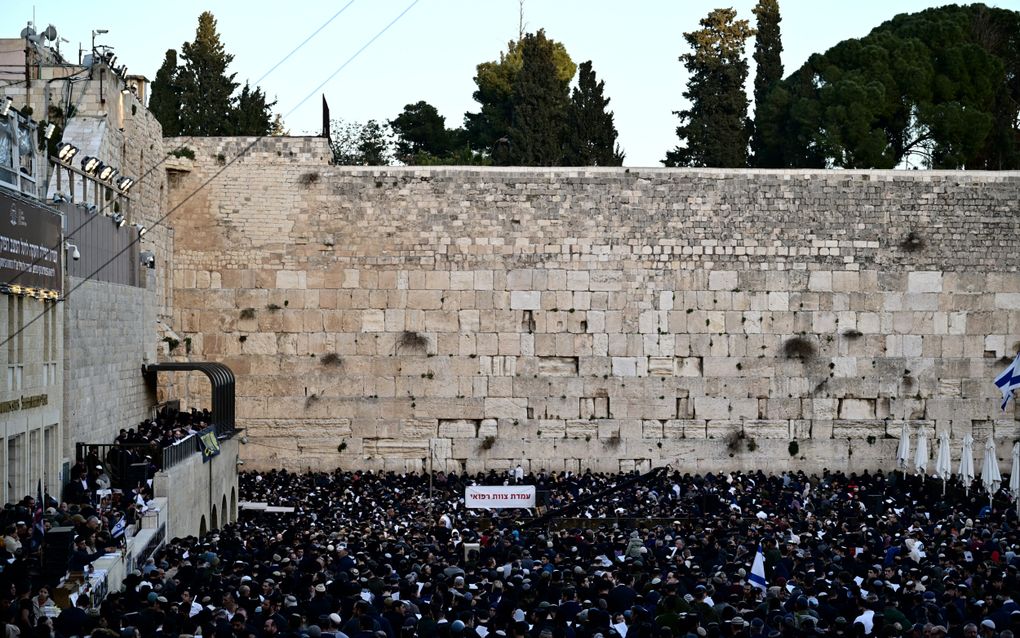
{"x": 1014, "y": 477}
{"x": 990, "y": 476}
{"x": 921, "y": 457}
{"x": 943, "y": 464}
{"x": 903, "y": 451}
{"x": 967, "y": 463}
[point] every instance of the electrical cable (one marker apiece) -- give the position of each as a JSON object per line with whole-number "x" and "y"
{"x": 223, "y": 168}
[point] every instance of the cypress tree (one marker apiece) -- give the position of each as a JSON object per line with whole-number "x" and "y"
{"x": 540, "y": 101}
{"x": 207, "y": 88}
{"x": 252, "y": 115}
{"x": 715, "y": 129}
{"x": 165, "y": 95}
{"x": 591, "y": 133}
{"x": 768, "y": 45}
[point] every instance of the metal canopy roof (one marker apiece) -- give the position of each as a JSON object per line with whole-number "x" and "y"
{"x": 220, "y": 376}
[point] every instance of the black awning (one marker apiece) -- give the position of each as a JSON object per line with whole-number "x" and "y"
{"x": 220, "y": 376}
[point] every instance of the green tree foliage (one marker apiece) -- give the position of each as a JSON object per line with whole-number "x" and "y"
{"x": 940, "y": 88}
{"x": 198, "y": 97}
{"x": 356, "y": 144}
{"x": 591, "y": 134}
{"x": 252, "y": 115}
{"x": 495, "y": 81}
{"x": 207, "y": 88}
{"x": 165, "y": 95}
{"x": 540, "y": 100}
{"x": 768, "y": 46}
{"x": 421, "y": 131}
{"x": 714, "y": 131}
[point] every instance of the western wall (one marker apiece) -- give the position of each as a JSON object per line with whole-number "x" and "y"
{"x": 472, "y": 318}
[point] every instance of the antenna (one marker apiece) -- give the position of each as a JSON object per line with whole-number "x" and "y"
{"x": 520, "y": 21}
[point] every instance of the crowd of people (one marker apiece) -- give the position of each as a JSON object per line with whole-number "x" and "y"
{"x": 370, "y": 555}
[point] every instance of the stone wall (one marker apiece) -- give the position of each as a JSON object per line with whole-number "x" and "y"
{"x": 109, "y": 334}
{"x": 200, "y": 496}
{"x": 462, "y": 318}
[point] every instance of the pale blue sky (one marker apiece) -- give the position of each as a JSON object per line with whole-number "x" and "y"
{"x": 431, "y": 53}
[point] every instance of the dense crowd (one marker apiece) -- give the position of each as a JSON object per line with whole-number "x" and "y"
{"x": 367, "y": 555}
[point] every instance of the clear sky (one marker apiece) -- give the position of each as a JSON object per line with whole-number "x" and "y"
{"x": 431, "y": 52}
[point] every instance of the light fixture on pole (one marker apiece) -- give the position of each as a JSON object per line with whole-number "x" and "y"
{"x": 124, "y": 183}
{"x": 105, "y": 172}
{"x": 6, "y": 106}
{"x": 89, "y": 164}
{"x": 50, "y": 130}
{"x": 141, "y": 229}
{"x": 66, "y": 152}
{"x": 119, "y": 220}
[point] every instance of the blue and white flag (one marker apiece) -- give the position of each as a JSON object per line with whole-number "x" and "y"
{"x": 757, "y": 577}
{"x": 118, "y": 529}
{"x": 1009, "y": 380}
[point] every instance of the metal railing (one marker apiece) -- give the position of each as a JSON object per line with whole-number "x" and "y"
{"x": 183, "y": 449}
{"x": 124, "y": 475}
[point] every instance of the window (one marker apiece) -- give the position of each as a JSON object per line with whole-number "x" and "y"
{"x": 15, "y": 342}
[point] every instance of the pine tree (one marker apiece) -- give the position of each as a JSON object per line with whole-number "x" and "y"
{"x": 540, "y": 101}
{"x": 715, "y": 129}
{"x": 165, "y": 95}
{"x": 768, "y": 45}
{"x": 252, "y": 114}
{"x": 487, "y": 131}
{"x": 207, "y": 88}
{"x": 421, "y": 133}
{"x": 591, "y": 133}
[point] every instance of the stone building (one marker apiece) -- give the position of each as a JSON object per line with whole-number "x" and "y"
{"x": 105, "y": 327}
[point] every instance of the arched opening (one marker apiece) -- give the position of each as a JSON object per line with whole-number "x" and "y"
{"x": 233, "y": 505}
{"x": 224, "y": 512}
{"x": 214, "y": 519}
{"x": 201, "y": 527}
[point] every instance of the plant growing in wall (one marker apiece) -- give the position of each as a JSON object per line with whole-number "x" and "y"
{"x": 187, "y": 345}
{"x": 487, "y": 443}
{"x": 331, "y": 359}
{"x": 171, "y": 343}
{"x": 307, "y": 179}
{"x": 273, "y": 307}
{"x": 798, "y": 348}
{"x": 912, "y": 242}
{"x": 183, "y": 152}
{"x": 793, "y": 448}
{"x": 413, "y": 341}
{"x": 248, "y": 313}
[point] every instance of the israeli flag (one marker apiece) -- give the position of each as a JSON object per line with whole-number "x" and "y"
{"x": 1009, "y": 380}
{"x": 757, "y": 577}
{"x": 118, "y": 529}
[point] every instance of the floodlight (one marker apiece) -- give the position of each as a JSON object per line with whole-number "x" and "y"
{"x": 90, "y": 164}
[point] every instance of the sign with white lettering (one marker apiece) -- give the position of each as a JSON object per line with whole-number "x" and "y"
{"x": 499, "y": 496}
{"x": 30, "y": 244}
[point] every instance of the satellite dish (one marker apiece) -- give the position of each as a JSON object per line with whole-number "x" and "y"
{"x": 50, "y": 33}
{"x": 28, "y": 31}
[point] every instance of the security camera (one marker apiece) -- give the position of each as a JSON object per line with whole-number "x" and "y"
{"x": 73, "y": 251}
